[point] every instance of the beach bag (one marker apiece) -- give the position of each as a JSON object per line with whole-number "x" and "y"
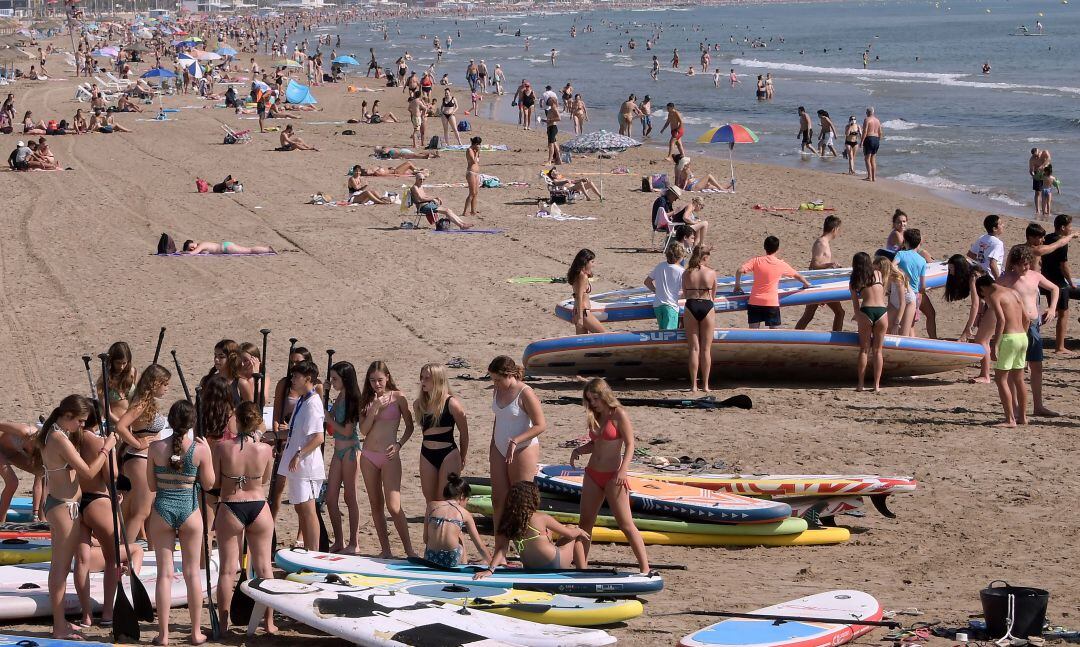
{"x": 230, "y": 138}
{"x": 166, "y": 245}
{"x": 659, "y": 181}
{"x": 435, "y": 143}
{"x": 202, "y": 185}
{"x": 646, "y": 184}
{"x": 490, "y": 182}
{"x": 463, "y": 126}
{"x": 443, "y": 224}
{"x": 348, "y": 132}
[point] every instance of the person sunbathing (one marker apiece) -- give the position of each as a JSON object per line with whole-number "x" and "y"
{"x": 141, "y": 89}
{"x": 431, "y": 207}
{"x": 30, "y": 127}
{"x": 404, "y": 169}
{"x": 684, "y": 178}
{"x": 107, "y": 121}
{"x": 581, "y": 185}
{"x": 79, "y": 123}
{"x": 192, "y": 247}
{"x": 273, "y": 113}
{"x": 388, "y": 153}
{"x": 378, "y": 118}
{"x": 290, "y": 142}
{"x": 45, "y": 155}
{"x": 299, "y": 106}
{"x": 124, "y": 104}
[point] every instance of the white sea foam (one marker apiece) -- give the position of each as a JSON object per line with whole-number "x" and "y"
{"x": 937, "y": 181}
{"x": 903, "y": 124}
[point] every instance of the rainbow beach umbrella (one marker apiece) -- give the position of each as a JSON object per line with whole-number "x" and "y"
{"x": 729, "y": 134}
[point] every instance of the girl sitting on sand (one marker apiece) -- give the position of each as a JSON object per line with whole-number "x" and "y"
{"x": 445, "y": 521}
{"x": 384, "y": 407}
{"x": 529, "y": 530}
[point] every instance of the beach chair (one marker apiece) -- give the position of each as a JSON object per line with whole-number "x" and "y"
{"x": 663, "y": 225}
{"x": 82, "y": 93}
{"x": 123, "y": 83}
{"x": 559, "y": 193}
{"x": 406, "y": 202}
{"x": 102, "y": 83}
{"x": 236, "y": 136}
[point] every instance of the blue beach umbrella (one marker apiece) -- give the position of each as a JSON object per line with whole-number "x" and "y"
{"x": 225, "y": 50}
{"x": 158, "y": 73}
{"x": 345, "y": 59}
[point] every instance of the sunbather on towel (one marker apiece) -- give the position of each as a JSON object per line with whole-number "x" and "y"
{"x": 359, "y": 193}
{"x": 404, "y": 169}
{"x": 388, "y": 153}
{"x": 290, "y": 142}
{"x": 205, "y": 247}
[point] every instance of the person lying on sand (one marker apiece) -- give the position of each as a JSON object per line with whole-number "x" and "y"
{"x": 290, "y": 142}
{"x": 273, "y": 112}
{"x": 206, "y": 247}
{"x": 431, "y": 207}
{"x": 407, "y": 169}
{"x": 386, "y": 152}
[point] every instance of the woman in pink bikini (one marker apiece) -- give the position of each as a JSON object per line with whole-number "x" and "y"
{"x": 384, "y": 407}
{"x": 611, "y": 447}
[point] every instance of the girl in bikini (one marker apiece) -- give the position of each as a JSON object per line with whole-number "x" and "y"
{"x": 699, "y": 318}
{"x": 611, "y": 447}
{"x": 222, "y": 350}
{"x": 580, "y": 114}
{"x": 514, "y": 452}
{"x": 59, "y": 441}
{"x": 870, "y": 305}
{"x": 218, "y": 424}
{"x": 384, "y": 407}
{"x": 449, "y": 117}
{"x": 17, "y": 450}
{"x": 178, "y": 466}
{"x": 529, "y": 530}
{"x": 579, "y": 275}
{"x": 138, "y": 427}
{"x": 244, "y": 365}
{"x": 445, "y": 523}
{"x": 343, "y": 423}
{"x": 472, "y": 176}
{"x": 439, "y": 412}
{"x": 120, "y": 384}
{"x": 243, "y": 468}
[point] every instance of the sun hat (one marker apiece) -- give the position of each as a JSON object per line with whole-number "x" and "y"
{"x": 674, "y": 190}
{"x": 21, "y": 143}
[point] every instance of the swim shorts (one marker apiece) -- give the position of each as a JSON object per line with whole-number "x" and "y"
{"x": 1010, "y": 351}
{"x": 552, "y": 131}
{"x": 1036, "y": 183}
{"x": 807, "y": 137}
{"x": 1064, "y": 292}
{"x": 1035, "y": 345}
{"x": 300, "y": 490}
{"x": 768, "y": 315}
{"x": 678, "y": 133}
{"x": 870, "y": 145}
{"x": 667, "y": 318}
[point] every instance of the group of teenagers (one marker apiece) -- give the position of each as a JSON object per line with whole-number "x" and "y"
{"x": 221, "y": 472}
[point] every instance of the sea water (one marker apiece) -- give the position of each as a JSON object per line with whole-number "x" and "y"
{"x": 948, "y": 126}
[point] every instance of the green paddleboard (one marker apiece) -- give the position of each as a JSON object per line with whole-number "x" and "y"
{"x": 567, "y": 512}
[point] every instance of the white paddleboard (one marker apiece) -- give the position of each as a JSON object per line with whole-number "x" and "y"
{"x": 24, "y": 589}
{"x": 379, "y": 616}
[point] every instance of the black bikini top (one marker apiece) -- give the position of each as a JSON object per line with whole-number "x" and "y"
{"x": 427, "y": 421}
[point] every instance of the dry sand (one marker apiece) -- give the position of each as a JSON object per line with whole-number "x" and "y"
{"x": 77, "y": 272}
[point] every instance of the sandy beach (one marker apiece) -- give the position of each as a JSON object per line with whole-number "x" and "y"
{"x": 77, "y": 272}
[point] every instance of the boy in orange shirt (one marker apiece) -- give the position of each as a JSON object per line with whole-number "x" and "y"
{"x": 764, "y": 306}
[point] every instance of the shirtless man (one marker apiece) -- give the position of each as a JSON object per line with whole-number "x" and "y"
{"x": 806, "y": 132}
{"x": 1039, "y": 167}
{"x": 192, "y": 247}
{"x": 1008, "y": 351}
{"x": 1020, "y": 275}
{"x": 552, "y": 116}
{"x": 871, "y": 129}
{"x": 821, "y": 259}
{"x": 675, "y": 123}
{"x": 290, "y": 142}
{"x": 417, "y": 110}
{"x": 626, "y": 115}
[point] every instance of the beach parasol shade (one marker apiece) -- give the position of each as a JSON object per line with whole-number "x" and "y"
{"x": 158, "y": 73}
{"x": 729, "y": 134}
{"x": 288, "y": 62}
{"x": 345, "y": 59}
{"x": 599, "y": 142}
{"x": 225, "y": 50}
{"x": 205, "y": 56}
{"x": 109, "y": 52}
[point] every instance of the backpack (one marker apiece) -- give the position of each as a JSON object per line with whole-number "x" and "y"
{"x": 230, "y": 138}
{"x": 166, "y": 245}
{"x": 202, "y": 185}
{"x": 435, "y": 143}
{"x": 463, "y": 126}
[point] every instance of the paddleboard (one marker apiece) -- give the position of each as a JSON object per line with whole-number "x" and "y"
{"x": 11, "y": 640}
{"x": 567, "y": 512}
{"x": 791, "y": 484}
{"x": 377, "y": 616}
{"x": 671, "y": 500}
{"x": 825, "y": 286}
{"x": 740, "y": 353}
{"x": 651, "y": 538}
{"x": 21, "y": 510}
{"x": 589, "y": 582}
{"x": 25, "y": 551}
{"x": 24, "y": 530}
{"x": 740, "y": 632}
{"x": 535, "y": 606}
{"x": 24, "y": 589}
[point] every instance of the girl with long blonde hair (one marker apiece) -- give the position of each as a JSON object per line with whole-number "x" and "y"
{"x": 137, "y": 428}
{"x": 439, "y": 412}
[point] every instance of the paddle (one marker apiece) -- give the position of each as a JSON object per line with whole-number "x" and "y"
{"x": 241, "y": 606}
{"x": 125, "y": 622}
{"x": 279, "y": 448}
{"x": 160, "y": 338}
{"x": 782, "y": 619}
{"x": 215, "y": 626}
{"x": 739, "y": 401}
{"x": 324, "y": 537}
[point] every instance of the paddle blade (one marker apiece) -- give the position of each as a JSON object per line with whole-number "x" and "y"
{"x": 324, "y": 538}
{"x": 125, "y": 622}
{"x": 144, "y": 610}
{"x": 740, "y": 401}
{"x": 241, "y": 607}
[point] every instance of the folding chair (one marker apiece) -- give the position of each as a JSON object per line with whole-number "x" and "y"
{"x": 238, "y": 136}
{"x": 406, "y": 202}
{"x": 663, "y": 225}
{"x": 122, "y": 83}
{"x": 559, "y": 193}
{"x": 109, "y": 84}
{"x": 82, "y": 94}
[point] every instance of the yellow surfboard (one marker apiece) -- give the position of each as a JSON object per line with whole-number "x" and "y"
{"x": 805, "y": 538}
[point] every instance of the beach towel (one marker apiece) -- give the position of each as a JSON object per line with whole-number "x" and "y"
{"x": 185, "y": 255}
{"x": 716, "y": 191}
{"x": 483, "y": 147}
{"x": 817, "y": 205}
{"x": 466, "y": 231}
{"x": 560, "y": 216}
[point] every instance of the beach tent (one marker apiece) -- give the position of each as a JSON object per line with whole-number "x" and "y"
{"x": 299, "y": 94}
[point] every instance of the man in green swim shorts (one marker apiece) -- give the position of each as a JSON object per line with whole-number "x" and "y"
{"x": 1010, "y": 351}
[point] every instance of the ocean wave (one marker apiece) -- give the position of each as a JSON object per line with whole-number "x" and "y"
{"x": 845, "y": 71}
{"x": 903, "y": 124}
{"x": 935, "y": 181}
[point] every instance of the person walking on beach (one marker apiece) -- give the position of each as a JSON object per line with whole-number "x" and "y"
{"x": 626, "y": 115}
{"x": 674, "y": 122}
{"x": 852, "y": 139}
{"x": 806, "y": 132}
{"x": 821, "y": 259}
{"x": 552, "y": 116}
{"x": 764, "y": 303}
{"x": 871, "y": 140}
{"x": 1009, "y": 350}
{"x": 1055, "y": 267}
{"x": 418, "y": 109}
{"x": 827, "y": 134}
{"x": 1021, "y": 275}
{"x": 699, "y": 319}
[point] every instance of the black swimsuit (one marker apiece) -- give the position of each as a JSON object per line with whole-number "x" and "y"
{"x": 427, "y": 421}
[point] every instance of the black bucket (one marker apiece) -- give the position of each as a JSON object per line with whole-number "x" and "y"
{"x": 1029, "y": 612}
